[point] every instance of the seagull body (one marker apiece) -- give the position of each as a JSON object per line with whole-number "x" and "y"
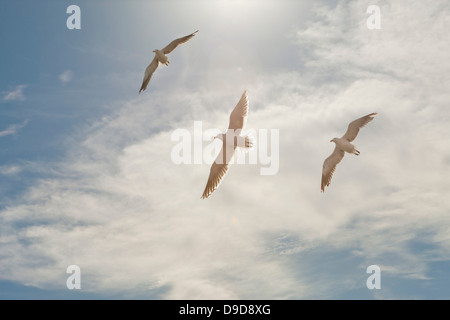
{"x": 343, "y": 145}
{"x": 161, "y": 57}
{"x": 230, "y": 141}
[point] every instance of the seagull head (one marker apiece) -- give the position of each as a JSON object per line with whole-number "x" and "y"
{"x": 219, "y": 136}
{"x": 333, "y": 140}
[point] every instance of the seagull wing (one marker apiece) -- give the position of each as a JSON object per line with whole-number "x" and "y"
{"x": 238, "y": 118}
{"x": 148, "y": 73}
{"x": 329, "y": 165}
{"x": 175, "y": 43}
{"x": 354, "y": 126}
{"x": 218, "y": 169}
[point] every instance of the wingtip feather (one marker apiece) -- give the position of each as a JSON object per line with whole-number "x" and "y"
{"x": 205, "y": 195}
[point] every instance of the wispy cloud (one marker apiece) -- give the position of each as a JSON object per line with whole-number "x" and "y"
{"x": 66, "y": 76}
{"x": 15, "y": 94}
{"x": 134, "y": 222}
{"x": 12, "y": 129}
{"x": 10, "y": 170}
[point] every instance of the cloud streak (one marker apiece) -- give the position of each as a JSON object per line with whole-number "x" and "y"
{"x": 13, "y": 129}
{"x": 10, "y": 170}
{"x": 66, "y": 76}
{"x": 133, "y": 221}
{"x": 15, "y": 94}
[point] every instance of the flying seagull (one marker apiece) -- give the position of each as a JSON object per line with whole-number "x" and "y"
{"x": 230, "y": 141}
{"x": 160, "y": 57}
{"x": 343, "y": 145}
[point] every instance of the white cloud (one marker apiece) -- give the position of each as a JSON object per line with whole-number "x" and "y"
{"x": 134, "y": 222}
{"x": 13, "y": 129}
{"x": 10, "y": 170}
{"x": 15, "y": 94}
{"x": 66, "y": 76}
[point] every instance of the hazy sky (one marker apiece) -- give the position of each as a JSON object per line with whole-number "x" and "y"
{"x": 86, "y": 176}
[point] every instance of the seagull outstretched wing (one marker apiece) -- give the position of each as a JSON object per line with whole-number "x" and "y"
{"x": 354, "y": 126}
{"x": 148, "y": 73}
{"x": 175, "y": 43}
{"x": 329, "y": 166}
{"x": 218, "y": 169}
{"x": 238, "y": 117}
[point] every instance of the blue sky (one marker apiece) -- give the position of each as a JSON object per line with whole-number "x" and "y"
{"x": 86, "y": 176}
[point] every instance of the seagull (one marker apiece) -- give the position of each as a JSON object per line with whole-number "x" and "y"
{"x": 343, "y": 145}
{"x": 160, "y": 57}
{"x": 230, "y": 141}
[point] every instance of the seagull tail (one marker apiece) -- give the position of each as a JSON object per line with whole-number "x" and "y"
{"x": 249, "y": 142}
